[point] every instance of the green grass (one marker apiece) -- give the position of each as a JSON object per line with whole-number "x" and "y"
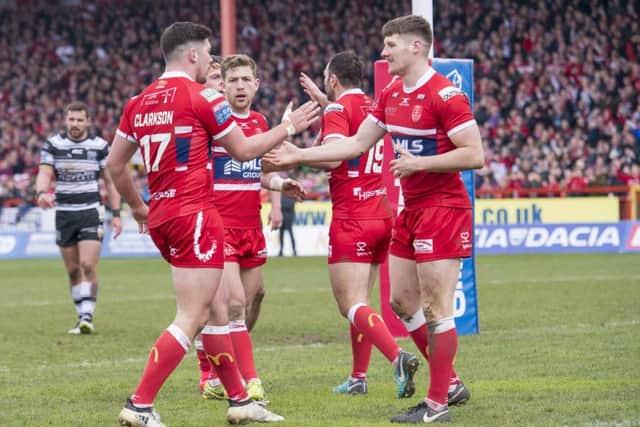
{"x": 559, "y": 345}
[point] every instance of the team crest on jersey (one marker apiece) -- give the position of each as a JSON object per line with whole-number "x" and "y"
{"x": 92, "y": 155}
{"x": 222, "y": 112}
{"x": 416, "y": 113}
{"x": 395, "y": 95}
{"x": 420, "y": 97}
{"x": 209, "y": 94}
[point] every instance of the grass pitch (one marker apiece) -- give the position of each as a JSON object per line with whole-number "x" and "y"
{"x": 559, "y": 345}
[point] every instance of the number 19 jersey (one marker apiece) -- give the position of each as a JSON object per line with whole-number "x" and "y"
{"x": 356, "y": 186}
{"x": 174, "y": 121}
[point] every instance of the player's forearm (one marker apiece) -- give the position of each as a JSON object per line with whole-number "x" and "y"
{"x": 346, "y": 149}
{"x": 276, "y": 200}
{"x": 123, "y": 183}
{"x": 43, "y": 181}
{"x": 459, "y": 159}
{"x": 112, "y": 194}
{"x": 259, "y": 144}
{"x": 323, "y": 165}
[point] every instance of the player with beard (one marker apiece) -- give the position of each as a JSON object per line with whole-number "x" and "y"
{"x": 76, "y": 160}
{"x": 174, "y": 121}
{"x": 435, "y": 137}
{"x": 361, "y": 224}
{"x": 237, "y": 197}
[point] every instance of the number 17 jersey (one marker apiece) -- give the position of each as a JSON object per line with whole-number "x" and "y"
{"x": 174, "y": 121}
{"x": 356, "y": 186}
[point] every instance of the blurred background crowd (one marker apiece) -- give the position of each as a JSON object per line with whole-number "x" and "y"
{"x": 557, "y": 82}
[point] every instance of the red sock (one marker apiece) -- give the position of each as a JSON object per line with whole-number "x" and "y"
{"x": 370, "y": 324}
{"x": 443, "y": 344}
{"x": 165, "y": 356}
{"x": 361, "y": 351}
{"x": 206, "y": 370}
{"x": 217, "y": 344}
{"x": 420, "y": 337}
{"x": 243, "y": 348}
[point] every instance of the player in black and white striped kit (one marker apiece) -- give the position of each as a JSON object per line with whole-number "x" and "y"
{"x": 76, "y": 160}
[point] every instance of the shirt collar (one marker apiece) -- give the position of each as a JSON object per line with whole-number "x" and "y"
{"x": 173, "y": 74}
{"x": 421, "y": 81}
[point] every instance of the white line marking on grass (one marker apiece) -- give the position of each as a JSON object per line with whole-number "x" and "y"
{"x": 100, "y": 300}
{"x": 563, "y": 328}
{"x": 557, "y": 279}
{"x": 140, "y": 360}
{"x": 146, "y": 298}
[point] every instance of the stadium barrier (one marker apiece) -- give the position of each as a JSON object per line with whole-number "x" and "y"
{"x": 555, "y": 230}
{"x": 312, "y": 239}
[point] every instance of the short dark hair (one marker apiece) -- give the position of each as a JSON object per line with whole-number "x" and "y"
{"x": 180, "y": 33}
{"x": 409, "y": 24}
{"x": 348, "y": 67}
{"x": 234, "y": 61}
{"x": 77, "y": 106}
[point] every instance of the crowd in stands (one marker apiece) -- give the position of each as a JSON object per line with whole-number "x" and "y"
{"x": 557, "y": 82}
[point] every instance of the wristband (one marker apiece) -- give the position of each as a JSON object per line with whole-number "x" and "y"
{"x": 115, "y": 213}
{"x": 276, "y": 183}
{"x": 40, "y": 193}
{"x": 291, "y": 129}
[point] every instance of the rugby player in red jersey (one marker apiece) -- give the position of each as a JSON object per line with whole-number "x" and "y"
{"x": 361, "y": 224}
{"x": 435, "y": 137}
{"x": 173, "y": 122}
{"x": 237, "y": 197}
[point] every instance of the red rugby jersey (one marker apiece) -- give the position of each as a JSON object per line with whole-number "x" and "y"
{"x": 237, "y": 184}
{"x": 174, "y": 120}
{"x": 421, "y": 119}
{"x": 357, "y": 189}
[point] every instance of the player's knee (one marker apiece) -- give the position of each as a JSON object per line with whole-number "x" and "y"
{"x": 260, "y": 293}
{"x": 75, "y": 275}
{"x": 398, "y": 308}
{"x": 88, "y": 269}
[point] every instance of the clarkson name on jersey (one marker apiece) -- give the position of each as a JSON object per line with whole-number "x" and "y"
{"x": 153, "y": 119}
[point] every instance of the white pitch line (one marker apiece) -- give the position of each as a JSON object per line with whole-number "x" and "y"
{"x": 562, "y": 328}
{"x": 557, "y": 279}
{"x": 140, "y": 360}
{"x": 148, "y": 298}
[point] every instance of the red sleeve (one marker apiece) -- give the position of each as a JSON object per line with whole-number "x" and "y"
{"x": 213, "y": 111}
{"x": 454, "y": 110}
{"x": 335, "y": 122}
{"x": 377, "y": 110}
{"x": 264, "y": 121}
{"x": 124, "y": 128}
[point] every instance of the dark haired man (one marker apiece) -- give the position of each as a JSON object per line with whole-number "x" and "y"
{"x": 173, "y": 122}
{"x": 76, "y": 160}
{"x": 435, "y": 137}
{"x": 360, "y": 227}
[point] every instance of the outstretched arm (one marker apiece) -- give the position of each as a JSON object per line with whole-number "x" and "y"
{"x": 344, "y": 149}
{"x": 242, "y": 148}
